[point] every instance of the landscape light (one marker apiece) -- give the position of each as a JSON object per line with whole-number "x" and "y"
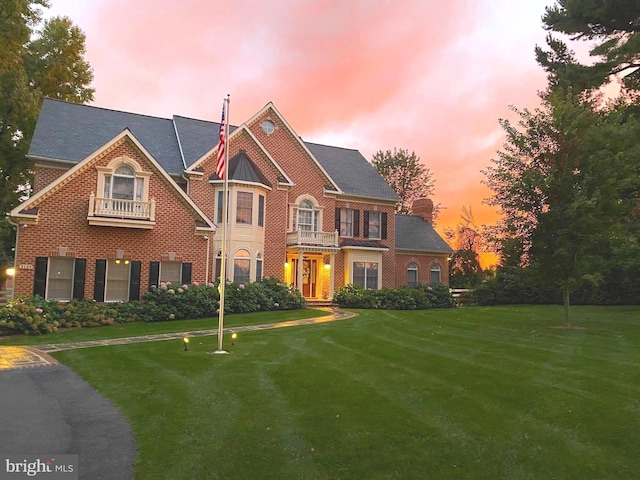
{"x": 185, "y": 342}
{"x": 234, "y": 335}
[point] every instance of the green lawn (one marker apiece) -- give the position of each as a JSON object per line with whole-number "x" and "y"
{"x": 469, "y": 393}
{"x": 141, "y": 328}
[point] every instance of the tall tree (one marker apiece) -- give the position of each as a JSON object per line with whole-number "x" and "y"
{"x": 465, "y": 270}
{"x": 613, "y": 29}
{"x": 564, "y": 184}
{"x": 32, "y": 65}
{"x": 408, "y": 177}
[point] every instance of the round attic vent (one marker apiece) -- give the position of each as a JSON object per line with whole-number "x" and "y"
{"x": 268, "y": 127}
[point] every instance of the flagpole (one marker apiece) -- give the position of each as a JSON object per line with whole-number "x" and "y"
{"x": 225, "y": 224}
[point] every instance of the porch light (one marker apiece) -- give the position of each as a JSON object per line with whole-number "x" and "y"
{"x": 11, "y": 272}
{"x": 117, "y": 262}
{"x": 327, "y": 266}
{"x": 286, "y": 264}
{"x": 185, "y": 342}
{"x": 126, "y": 262}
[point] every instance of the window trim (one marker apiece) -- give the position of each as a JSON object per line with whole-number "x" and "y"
{"x": 412, "y": 267}
{"x": 245, "y": 209}
{"x": 435, "y": 267}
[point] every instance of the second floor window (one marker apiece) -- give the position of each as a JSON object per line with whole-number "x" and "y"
{"x": 307, "y": 218}
{"x": 348, "y": 222}
{"x": 123, "y": 185}
{"x": 244, "y": 208}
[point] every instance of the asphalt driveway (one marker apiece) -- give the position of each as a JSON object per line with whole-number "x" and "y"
{"x": 51, "y": 410}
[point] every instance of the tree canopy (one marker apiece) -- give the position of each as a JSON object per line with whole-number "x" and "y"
{"x": 33, "y": 64}
{"x": 612, "y": 27}
{"x": 408, "y": 177}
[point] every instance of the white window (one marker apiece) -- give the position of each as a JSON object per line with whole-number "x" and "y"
{"x": 307, "y": 217}
{"x": 365, "y": 274}
{"x": 244, "y": 208}
{"x": 435, "y": 273}
{"x": 346, "y": 222}
{"x": 241, "y": 266}
{"x": 60, "y": 278}
{"x": 123, "y": 184}
{"x": 412, "y": 274}
{"x": 117, "y": 281}
{"x": 374, "y": 225}
{"x": 171, "y": 272}
{"x": 123, "y": 190}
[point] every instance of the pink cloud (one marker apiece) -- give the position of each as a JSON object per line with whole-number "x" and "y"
{"x": 429, "y": 76}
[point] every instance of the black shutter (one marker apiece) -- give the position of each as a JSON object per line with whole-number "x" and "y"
{"x": 40, "y": 277}
{"x": 356, "y": 223}
{"x": 383, "y": 227}
{"x": 98, "y": 283}
{"x": 337, "y": 220}
{"x": 366, "y": 224}
{"x": 134, "y": 280}
{"x": 154, "y": 274}
{"x": 186, "y": 273}
{"x": 79, "y": 269}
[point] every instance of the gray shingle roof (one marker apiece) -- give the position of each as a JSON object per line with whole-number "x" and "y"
{"x": 351, "y": 172}
{"x": 413, "y": 233}
{"x": 71, "y": 132}
{"x": 242, "y": 168}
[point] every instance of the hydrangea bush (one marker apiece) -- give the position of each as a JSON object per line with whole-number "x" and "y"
{"x": 36, "y": 316}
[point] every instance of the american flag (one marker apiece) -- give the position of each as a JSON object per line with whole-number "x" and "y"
{"x": 221, "y": 147}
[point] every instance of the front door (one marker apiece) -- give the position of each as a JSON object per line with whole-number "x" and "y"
{"x": 309, "y": 278}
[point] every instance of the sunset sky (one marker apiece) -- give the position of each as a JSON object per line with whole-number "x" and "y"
{"x": 430, "y": 76}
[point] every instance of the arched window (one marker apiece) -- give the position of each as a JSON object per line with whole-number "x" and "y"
{"x": 241, "y": 266}
{"x": 435, "y": 273}
{"x": 412, "y": 274}
{"x": 307, "y": 218}
{"x": 123, "y": 184}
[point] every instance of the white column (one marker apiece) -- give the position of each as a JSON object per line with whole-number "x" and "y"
{"x": 299, "y": 272}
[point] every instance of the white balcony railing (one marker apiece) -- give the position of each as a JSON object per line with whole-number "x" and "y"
{"x": 126, "y": 209}
{"x": 304, "y": 237}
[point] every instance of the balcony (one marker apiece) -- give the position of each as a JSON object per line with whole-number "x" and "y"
{"x": 111, "y": 212}
{"x": 315, "y": 239}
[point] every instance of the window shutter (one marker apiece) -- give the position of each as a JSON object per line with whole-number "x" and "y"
{"x": 186, "y": 273}
{"x": 134, "y": 280}
{"x": 79, "y": 270}
{"x": 383, "y": 226}
{"x": 98, "y": 283}
{"x": 337, "y": 219}
{"x": 40, "y": 277}
{"x": 365, "y": 227}
{"x": 356, "y": 223}
{"x": 154, "y": 274}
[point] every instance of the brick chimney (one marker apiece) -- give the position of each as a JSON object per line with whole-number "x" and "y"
{"x": 423, "y": 207}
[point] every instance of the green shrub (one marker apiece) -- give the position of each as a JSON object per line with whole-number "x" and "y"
{"x": 417, "y": 297}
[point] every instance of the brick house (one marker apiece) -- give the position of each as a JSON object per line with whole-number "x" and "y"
{"x": 123, "y": 201}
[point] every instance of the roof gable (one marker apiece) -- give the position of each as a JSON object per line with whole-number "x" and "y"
{"x": 84, "y": 163}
